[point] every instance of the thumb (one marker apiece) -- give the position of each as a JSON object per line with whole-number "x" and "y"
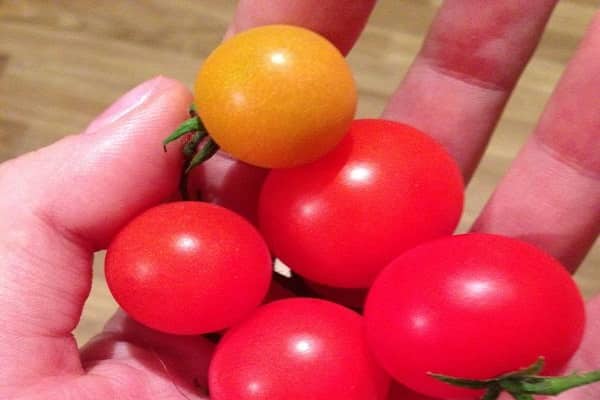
{"x": 61, "y": 203}
{"x": 125, "y": 106}
{"x": 91, "y": 184}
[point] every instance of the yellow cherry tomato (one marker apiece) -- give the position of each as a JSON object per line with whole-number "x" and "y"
{"x": 276, "y": 96}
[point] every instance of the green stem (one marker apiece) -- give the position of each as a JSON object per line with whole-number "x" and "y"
{"x": 189, "y": 149}
{"x": 467, "y": 383}
{"x": 206, "y": 152}
{"x": 523, "y": 383}
{"x": 183, "y": 183}
{"x": 192, "y": 111}
{"x": 521, "y": 396}
{"x": 533, "y": 369}
{"x": 190, "y": 125}
{"x": 492, "y": 393}
{"x": 552, "y": 386}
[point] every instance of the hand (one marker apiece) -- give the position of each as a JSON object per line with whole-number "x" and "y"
{"x": 60, "y": 204}
{"x": 456, "y": 90}
{"x": 65, "y": 201}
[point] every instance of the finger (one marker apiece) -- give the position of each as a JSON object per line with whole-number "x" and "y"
{"x": 168, "y": 363}
{"x": 551, "y": 194}
{"x": 340, "y": 21}
{"x": 130, "y": 361}
{"x": 61, "y": 203}
{"x": 458, "y": 85}
{"x": 177, "y": 362}
{"x": 587, "y": 357}
{"x": 236, "y": 185}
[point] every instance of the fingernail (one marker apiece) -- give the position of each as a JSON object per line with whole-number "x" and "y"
{"x": 124, "y": 105}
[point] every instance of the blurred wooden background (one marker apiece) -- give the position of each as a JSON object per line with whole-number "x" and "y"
{"x": 62, "y": 62}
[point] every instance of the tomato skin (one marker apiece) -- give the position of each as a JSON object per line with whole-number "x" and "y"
{"x": 229, "y": 183}
{"x": 276, "y": 96}
{"x": 188, "y": 268}
{"x": 299, "y": 348}
{"x": 473, "y": 306}
{"x": 338, "y": 221}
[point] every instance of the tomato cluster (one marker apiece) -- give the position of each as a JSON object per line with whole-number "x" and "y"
{"x": 354, "y": 208}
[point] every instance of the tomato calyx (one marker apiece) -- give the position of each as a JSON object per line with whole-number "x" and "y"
{"x": 193, "y": 153}
{"x": 524, "y": 383}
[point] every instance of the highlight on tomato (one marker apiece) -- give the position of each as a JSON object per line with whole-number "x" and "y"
{"x": 188, "y": 268}
{"x": 384, "y": 189}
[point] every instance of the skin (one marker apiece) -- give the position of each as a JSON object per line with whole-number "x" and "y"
{"x": 44, "y": 285}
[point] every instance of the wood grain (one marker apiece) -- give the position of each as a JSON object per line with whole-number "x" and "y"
{"x": 62, "y": 62}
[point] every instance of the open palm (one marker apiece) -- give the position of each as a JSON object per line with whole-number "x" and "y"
{"x": 63, "y": 202}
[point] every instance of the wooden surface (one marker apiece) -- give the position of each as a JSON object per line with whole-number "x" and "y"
{"x": 62, "y": 62}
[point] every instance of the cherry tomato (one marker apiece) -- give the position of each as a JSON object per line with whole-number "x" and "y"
{"x": 188, "y": 268}
{"x": 229, "y": 183}
{"x": 338, "y": 221}
{"x": 473, "y": 306}
{"x": 276, "y": 96}
{"x": 299, "y": 348}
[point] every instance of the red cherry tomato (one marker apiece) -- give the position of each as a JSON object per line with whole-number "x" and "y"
{"x": 293, "y": 349}
{"x": 386, "y": 188}
{"x": 229, "y": 183}
{"x": 473, "y": 306}
{"x": 188, "y": 268}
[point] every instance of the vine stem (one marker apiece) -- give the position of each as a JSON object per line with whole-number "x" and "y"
{"x": 196, "y": 131}
{"x": 551, "y": 386}
{"x": 524, "y": 383}
{"x": 492, "y": 393}
{"x": 183, "y": 182}
{"x": 521, "y": 396}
